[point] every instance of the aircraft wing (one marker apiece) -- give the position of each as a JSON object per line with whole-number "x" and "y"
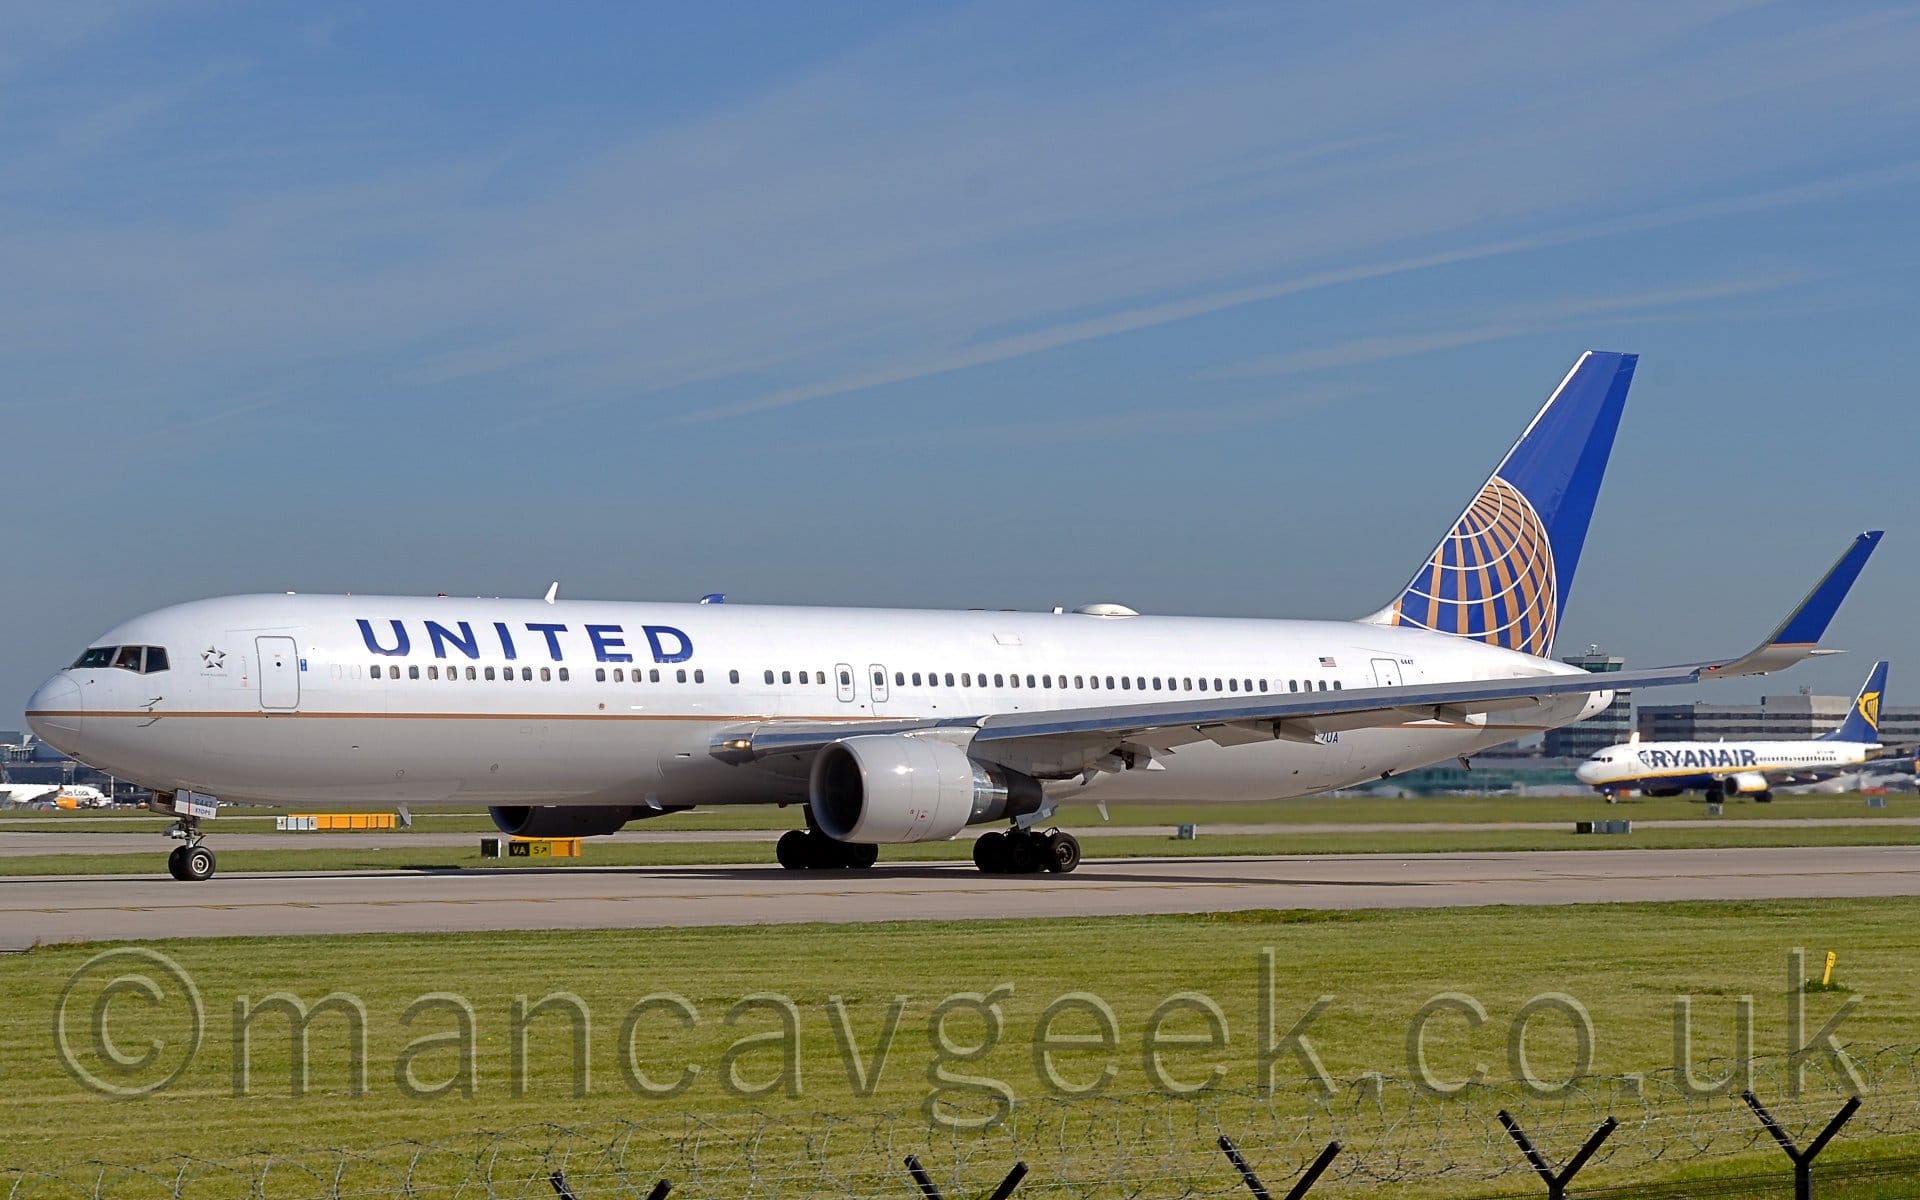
{"x": 1064, "y": 741}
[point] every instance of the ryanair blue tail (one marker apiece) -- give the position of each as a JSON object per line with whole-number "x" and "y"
{"x": 1503, "y": 572}
{"x": 1863, "y": 720}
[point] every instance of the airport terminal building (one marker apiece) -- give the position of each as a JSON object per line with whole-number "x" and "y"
{"x": 1774, "y": 718}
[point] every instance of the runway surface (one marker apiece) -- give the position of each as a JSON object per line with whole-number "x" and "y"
{"x": 20, "y": 845}
{"x": 52, "y": 908}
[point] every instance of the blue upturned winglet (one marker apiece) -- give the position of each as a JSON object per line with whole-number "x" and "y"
{"x": 1809, "y": 622}
{"x": 1503, "y": 572}
{"x": 1863, "y": 719}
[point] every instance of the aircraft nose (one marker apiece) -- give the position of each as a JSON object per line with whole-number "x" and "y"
{"x": 56, "y": 711}
{"x": 1586, "y": 772}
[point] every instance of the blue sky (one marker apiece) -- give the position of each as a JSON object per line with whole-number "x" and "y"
{"x": 1204, "y": 309}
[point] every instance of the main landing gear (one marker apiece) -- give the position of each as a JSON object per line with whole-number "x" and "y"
{"x": 192, "y": 862}
{"x": 1026, "y": 852}
{"x": 811, "y": 850}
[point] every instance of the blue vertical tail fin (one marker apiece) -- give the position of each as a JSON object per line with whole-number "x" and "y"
{"x": 1863, "y": 719}
{"x": 1503, "y": 573}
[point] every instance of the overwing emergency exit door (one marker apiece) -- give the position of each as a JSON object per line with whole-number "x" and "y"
{"x": 279, "y": 673}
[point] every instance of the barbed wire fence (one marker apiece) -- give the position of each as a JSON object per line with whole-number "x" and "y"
{"x": 1136, "y": 1147}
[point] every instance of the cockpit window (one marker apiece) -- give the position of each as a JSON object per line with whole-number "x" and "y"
{"x": 142, "y": 660}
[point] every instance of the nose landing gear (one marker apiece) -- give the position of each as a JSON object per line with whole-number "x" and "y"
{"x": 194, "y": 861}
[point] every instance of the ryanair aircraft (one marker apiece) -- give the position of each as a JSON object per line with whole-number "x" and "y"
{"x": 1722, "y": 769}
{"x": 886, "y": 726}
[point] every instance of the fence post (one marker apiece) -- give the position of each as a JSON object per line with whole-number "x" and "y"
{"x": 1802, "y": 1159}
{"x": 1556, "y": 1181}
{"x": 1259, "y": 1190}
{"x": 932, "y": 1191}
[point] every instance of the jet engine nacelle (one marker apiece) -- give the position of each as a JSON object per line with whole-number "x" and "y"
{"x": 1748, "y": 782}
{"x": 561, "y": 820}
{"x": 890, "y": 788}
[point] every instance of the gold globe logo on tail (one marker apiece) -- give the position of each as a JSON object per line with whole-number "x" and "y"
{"x": 1491, "y": 579}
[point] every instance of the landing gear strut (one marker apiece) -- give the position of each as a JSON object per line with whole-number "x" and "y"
{"x": 1026, "y": 851}
{"x": 809, "y": 849}
{"x": 192, "y": 862}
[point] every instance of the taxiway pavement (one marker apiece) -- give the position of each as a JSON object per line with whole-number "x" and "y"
{"x": 59, "y": 908}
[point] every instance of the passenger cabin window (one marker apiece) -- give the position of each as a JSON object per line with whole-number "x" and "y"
{"x": 733, "y": 677}
{"x": 846, "y": 678}
{"x": 564, "y": 675}
{"x": 699, "y": 676}
{"x": 769, "y": 675}
{"x": 393, "y": 672}
{"x": 680, "y": 675}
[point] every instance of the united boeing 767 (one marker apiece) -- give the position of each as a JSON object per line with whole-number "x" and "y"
{"x": 885, "y": 726}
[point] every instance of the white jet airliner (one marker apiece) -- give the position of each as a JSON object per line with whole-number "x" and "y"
{"x": 1721, "y": 769}
{"x": 575, "y": 718}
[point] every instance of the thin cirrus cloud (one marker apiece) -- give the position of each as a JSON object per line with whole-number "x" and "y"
{"x": 1069, "y": 333}
{"x": 930, "y": 202}
{"x": 1516, "y": 321}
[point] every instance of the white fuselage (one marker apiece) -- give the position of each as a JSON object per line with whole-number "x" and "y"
{"x": 292, "y": 699}
{"x": 1691, "y": 765}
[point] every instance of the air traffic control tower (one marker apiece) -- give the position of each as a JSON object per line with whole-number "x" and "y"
{"x": 1607, "y": 727}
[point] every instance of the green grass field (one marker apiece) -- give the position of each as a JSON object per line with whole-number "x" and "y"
{"x": 1624, "y": 964}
